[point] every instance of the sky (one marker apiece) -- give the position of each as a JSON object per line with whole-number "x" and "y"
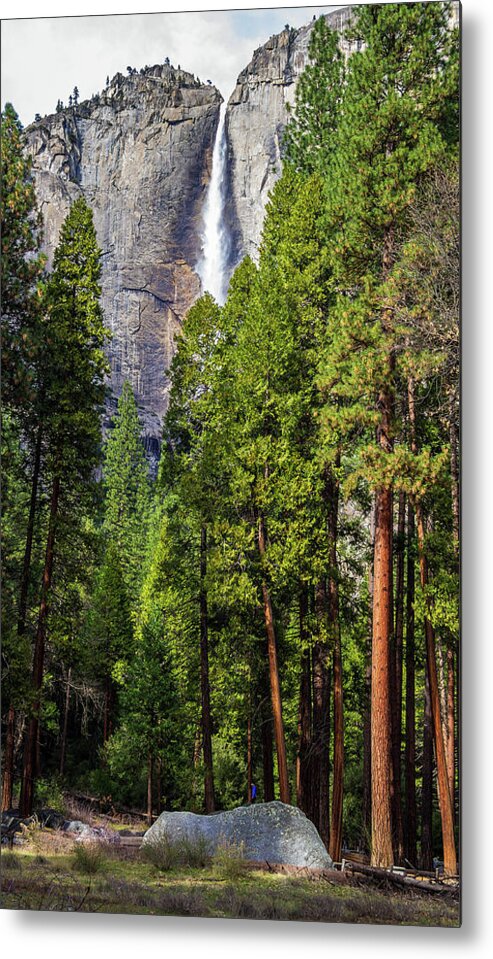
{"x": 43, "y": 58}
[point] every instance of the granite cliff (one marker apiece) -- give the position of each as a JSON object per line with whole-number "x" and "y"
{"x": 256, "y": 116}
{"x": 140, "y": 153}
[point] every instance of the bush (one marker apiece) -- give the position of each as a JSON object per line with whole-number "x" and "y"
{"x": 88, "y": 858}
{"x": 49, "y": 794}
{"x": 166, "y": 853}
{"x": 229, "y": 860}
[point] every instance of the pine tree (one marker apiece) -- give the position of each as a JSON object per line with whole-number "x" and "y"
{"x": 127, "y": 491}
{"x": 73, "y": 395}
{"x": 394, "y": 124}
{"x": 309, "y": 134}
{"x": 22, "y": 266}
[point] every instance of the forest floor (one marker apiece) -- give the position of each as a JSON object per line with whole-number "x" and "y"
{"x": 51, "y": 871}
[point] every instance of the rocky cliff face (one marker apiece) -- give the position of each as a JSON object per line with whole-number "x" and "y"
{"x": 256, "y": 116}
{"x": 140, "y": 153}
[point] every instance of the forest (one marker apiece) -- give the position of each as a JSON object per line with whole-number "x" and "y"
{"x": 279, "y": 605}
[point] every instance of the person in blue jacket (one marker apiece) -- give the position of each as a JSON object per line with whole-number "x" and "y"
{"x": 254, "y": 792}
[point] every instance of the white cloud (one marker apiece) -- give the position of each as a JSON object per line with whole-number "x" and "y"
{"x": 44, "y": 58}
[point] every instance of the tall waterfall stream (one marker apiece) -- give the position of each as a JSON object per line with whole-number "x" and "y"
{"x": 212, "y": 268}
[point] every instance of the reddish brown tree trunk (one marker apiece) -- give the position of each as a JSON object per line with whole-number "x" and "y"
{"x": 109, "y": 705}
{"x": 8, "y": 761}
{"x": 381, "y": 717}
{"x": 275, "y": 687}
{"x": 159, "y": 785}
{"x": 381, "y": 740}
{"x": 267, "y": 755}
{"x": 249, "y": 759}
{"x": 321, "y": 716}
{"x": 9, "y": 756}
{"x": 451, "y": 678}
{"x": 366, "y": 812}
{"x": 427, "y": 783}
{"x": 451, "y": 725}
{"x": 28, "y": 776}
{"x": 335, "y": 844}
{"x": 150, "y": 776}
{"x": 444, "y": 797}
{"x": 303, "y": 759}
{"x": 63, "y": 744}
{"x": 410, "y": 745}
{"x": 396, "y": 685}
{"x": 26, "y": 565}
{"x": 209, "y": 797}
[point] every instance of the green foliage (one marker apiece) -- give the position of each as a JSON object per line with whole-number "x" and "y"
{"x": 88, "y": 858}
{"x": 74, "y": 386}
{"x": 228, "y": 860}
{"x": 127, "y": 493}
{"x": 188, "y": 851}
{"x": 21, "y": 266}
{"x": 309, "y": 135}
{"x": 49, "y": 794}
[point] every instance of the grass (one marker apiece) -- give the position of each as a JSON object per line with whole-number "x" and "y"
{"x": 53, "y": 874}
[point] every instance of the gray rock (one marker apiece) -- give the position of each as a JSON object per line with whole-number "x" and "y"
{"x": 256, "y": 116}
{"x": 272, "y": 832}
{"x": 86, "y": 833}
{"x": 140, "y": 154}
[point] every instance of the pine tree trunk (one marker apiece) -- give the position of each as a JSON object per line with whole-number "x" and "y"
{"x": 427, "y": 783}
{"x": 381, "y": 715}
{"x": 444, "y": 797}
{"x": 249, "y": 758}
{"x": 26, "y": 565}
{"x": 8, "y": 761}
{"x": 396, "y": 685}
{"x": 267, "y": 755}
{"x": 366, "y": 811}
{"x": 159, "y": 785}
{"x": 303, "y": 770}
{"x": 335, "y": 844}
{"x": 410, "y": 745}
{"x": 275, "y": 687}
{"x": 381, "y": 739}
{"x": 451, "y": 725}
{"x": 150, "y": 775}
{"x": 210, "y": 804}
{"x": 451, "y": 678}
{"x": 321, "y": 716}
{"x": 28, "y": 776}
{"x": 63, "y": 743}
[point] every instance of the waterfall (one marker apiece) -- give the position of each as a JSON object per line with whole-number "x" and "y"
{"x": 212, "y": 268}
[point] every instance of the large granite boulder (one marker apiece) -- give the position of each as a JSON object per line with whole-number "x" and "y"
{"x": 272, "y": 832}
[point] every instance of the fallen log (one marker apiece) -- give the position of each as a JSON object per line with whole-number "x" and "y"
{"x": 393, "y": 878}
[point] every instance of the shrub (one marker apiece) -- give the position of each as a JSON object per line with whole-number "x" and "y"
{"x": 88, "y": 858}
{"x": 49, "y": 794}
{"x": 229, "y": 860}
{"x": 166, "y": 853}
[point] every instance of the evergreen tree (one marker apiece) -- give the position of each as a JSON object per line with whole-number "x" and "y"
{"x": 393, "y": 127}
{"x": 22, "y": 266}
{"x": 127, "y": 491}
{"x": 309, "y": 135}
{"x": 73, "y": 391}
